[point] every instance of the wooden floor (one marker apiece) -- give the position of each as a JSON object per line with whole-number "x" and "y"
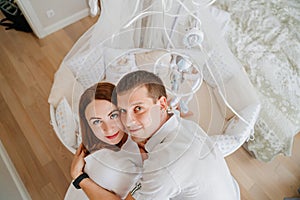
{"x": 27, "y": 67}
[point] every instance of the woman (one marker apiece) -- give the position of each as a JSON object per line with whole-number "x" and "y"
{"x": 113, "y": 160}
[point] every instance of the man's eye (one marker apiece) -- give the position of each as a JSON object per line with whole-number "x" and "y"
{"x": 137, "y": 108}
{"x": 96, "y": 122}
{"x": 114, "y": 115}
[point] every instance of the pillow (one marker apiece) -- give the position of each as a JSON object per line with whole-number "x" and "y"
{"x": 118, "y": 62}
{"x": 76, "y": 62}
{"x": 88, "y": 68}
{"x": 113, "y": 54}
{"x": 67, "y": 126}
{"x": 62, "y": 86}
{"x": 150, "y": 57}
{"x": 86, "y": 56}
{"x": 91, "y": 73}
{"x": 227, "y": 143}
{"x": 237, "y": 126}
{"x": 120, "y": 67}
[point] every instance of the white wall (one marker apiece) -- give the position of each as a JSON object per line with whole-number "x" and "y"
{"x": 66, "y": 12}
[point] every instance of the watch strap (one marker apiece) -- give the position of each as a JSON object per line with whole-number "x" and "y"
{"x": 79, "y": 179}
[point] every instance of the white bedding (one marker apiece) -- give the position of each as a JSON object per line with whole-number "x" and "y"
{"x": 264, "y": 35}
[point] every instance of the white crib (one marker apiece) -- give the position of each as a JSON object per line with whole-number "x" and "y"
{"x": 230, "y": 126}
{"x": 221, "y": 97}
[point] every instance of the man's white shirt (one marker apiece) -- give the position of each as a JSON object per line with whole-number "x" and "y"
{"x": 183, "y": 163}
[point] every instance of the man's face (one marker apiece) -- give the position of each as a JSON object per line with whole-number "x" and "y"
{"x": 141, "y": 116}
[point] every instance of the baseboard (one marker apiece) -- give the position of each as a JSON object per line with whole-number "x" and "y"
{"x": 13, "y": 173}
{"x": 31, "y": 17}
{"x": 36, "y": 25}
{"x": 65, "y": 22}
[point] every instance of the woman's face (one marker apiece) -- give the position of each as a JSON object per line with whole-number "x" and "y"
{"x": 103, "y": 118}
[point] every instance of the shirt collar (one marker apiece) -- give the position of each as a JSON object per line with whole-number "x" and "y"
{"x": 162, "y": 132}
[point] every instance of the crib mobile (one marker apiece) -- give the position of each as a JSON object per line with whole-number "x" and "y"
{"x": 190, "y": 61}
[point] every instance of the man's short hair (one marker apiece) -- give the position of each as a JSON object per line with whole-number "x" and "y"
{"x": 152, "y": 82}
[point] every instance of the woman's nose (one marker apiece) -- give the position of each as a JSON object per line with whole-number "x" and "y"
{"x": 106, "y": 127}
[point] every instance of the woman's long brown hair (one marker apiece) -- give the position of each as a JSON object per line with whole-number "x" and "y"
{"x": 99, "y": 91}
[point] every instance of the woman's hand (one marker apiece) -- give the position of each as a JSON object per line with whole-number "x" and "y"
{"x": 78, "y": 162}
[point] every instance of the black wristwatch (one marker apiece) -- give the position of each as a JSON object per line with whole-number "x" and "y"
{"x": 79, "y": 179}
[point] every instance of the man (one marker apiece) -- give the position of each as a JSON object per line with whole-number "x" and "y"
{"x": 181, "y": 162}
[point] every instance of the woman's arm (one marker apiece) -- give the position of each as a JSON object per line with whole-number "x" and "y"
{"x": 91, "y": 189}
{"x": 96, "y": 192}
{"x": 78, "y": 162}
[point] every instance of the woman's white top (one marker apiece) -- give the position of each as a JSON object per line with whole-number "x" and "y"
{"x": 114, "y": 171}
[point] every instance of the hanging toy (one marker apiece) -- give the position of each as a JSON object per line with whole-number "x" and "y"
{"x": 185, "y": 80}
{"x": 193, "y": 38}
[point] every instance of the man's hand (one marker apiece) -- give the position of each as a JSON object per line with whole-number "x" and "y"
{"x": 78, "y": 162}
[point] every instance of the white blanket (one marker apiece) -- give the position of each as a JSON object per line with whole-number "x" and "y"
{"x": 264, "y": 35}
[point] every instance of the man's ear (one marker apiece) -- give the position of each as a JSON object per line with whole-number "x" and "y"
{"x": 162, "y": 101}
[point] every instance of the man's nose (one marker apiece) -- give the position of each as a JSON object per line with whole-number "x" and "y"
{"x": 128, "y": 119}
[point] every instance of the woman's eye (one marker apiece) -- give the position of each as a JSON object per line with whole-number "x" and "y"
{"x": 122, "y": 110}
{"x": 96, "y": 122}
{"x": 114, "y": 115}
